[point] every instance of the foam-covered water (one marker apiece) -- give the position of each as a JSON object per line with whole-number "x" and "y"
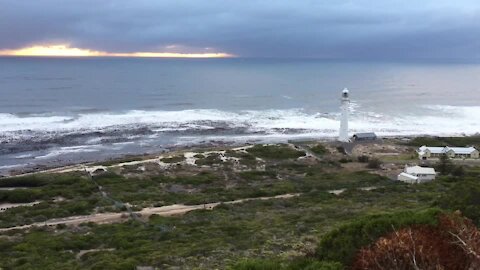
{"x": 56, "y": 111}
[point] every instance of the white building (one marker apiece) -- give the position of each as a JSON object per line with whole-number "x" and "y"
{"x": 426, "y": 152}
{"x": 417, "y": 175}
{"x": 368, "y": 136}
{"x": 343, "y": 134}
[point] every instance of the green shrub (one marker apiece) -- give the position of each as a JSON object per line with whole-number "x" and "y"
{"x": 258, "y": 175}
{"x": 258, "y": 265}
{"x": 275, "y": 152}
{"x": 345, "y": 160}
{"x": 244, "y": 158}
{"x": 24, "y": 181}
{"x": 363, "y": 159}
{"x": 444, "y": 165}
{"x": 19, "y": 196}
{"x": 319, "y": 149}
{"x": 458, "y": 171}
{"x": 299, "y": 264}
{"x": 342, "y": 243}
{"x": 445, "y": 141}
{"x": 374, "y": 163}
{"x": 209, "y": 160}
{"x": 198, "y": 179}
{"x": 463, "y": 196}
{"x": 174, "y": 159}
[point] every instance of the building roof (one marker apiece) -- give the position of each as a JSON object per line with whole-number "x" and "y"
{"x": 461, "y": 150}
{"x": 443, "y": 150}
{"x": 408, "y": 176}
{"x": 365, "y": 135}
{"x": 433, "y": 150}
{"x": 419, "y": 170}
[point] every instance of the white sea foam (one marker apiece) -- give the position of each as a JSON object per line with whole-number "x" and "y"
{"x": 7, "y": 167}
{"x": 69, "y": 150}
{"x": 438, "y": 119}
{"x": 23, "y": 156}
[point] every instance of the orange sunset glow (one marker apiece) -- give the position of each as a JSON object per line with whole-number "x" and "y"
{"x": 64, "y": 50}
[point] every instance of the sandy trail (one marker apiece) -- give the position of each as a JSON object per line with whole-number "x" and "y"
{"x": 170, "y": 210}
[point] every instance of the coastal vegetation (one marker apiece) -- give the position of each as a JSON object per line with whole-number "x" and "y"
{"x": 336, "y": 211}
{"x": 275, "y": 152}
{"x": 445, "y": 141}
{"x": 319, "y": 149}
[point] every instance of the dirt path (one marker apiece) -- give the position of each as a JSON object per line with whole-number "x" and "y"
{"x": 84, "y": 167}
{"x": 170, "y": 210}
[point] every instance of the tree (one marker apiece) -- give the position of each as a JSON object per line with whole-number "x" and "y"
{"x": 444, "y": 165}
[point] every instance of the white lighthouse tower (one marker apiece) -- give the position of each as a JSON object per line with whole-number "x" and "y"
{"x": 343, "y": 135}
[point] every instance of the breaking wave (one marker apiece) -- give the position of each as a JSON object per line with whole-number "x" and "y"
{"x": 56, "y": 139}
{"x": 439, "y": 120}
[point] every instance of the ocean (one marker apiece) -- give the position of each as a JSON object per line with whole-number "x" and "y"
{"x": 57, "y": 111}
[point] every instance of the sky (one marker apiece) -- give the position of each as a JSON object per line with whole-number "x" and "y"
{"x": 390, "y": 29}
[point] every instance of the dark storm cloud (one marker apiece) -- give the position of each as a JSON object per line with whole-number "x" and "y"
{"x": 277, "y": 28}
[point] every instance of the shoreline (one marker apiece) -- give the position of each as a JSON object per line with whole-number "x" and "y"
{"x": 78, "y": 165}
{"x": 172, "y": 150}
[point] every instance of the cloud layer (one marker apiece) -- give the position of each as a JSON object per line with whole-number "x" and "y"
{"x": 250, "y": 28}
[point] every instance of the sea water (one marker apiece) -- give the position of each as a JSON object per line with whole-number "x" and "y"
{"x": 55, "y": 111}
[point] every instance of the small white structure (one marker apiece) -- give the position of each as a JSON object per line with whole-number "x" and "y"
{"x": 407, "y": 178}
{"x": 368, "y": 136}
{"x": 417, "y": 175}
{"x": 426, "y": 152}
{"x": 343, "y": 134}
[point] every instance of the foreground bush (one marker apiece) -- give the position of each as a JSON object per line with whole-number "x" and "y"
{"x": 303, "y": 264}
{"x": 342, "y": 244}
{"x": 452, "y": 244}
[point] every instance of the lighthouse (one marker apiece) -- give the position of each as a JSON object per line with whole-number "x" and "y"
{"x": 343, "y": 134}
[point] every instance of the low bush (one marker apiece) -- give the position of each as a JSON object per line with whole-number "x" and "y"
{"x": 209, "y": 160}
{"x": 299, "y": 264}
{"x": 374, "y": 163}
{"x": 363, "y": 159}
{"x": 19, "y": 196}
{"x": 319, "y": 149}
{"x": 445, "y": 141}
{"x": 345, "y": 160}
{"x": 174, "y": 159}
{"x": 463, "y": 196}
{"x": 342, "y": 243}
{"x": 275, "y": 152}
{"x": 25, "y": 181}
{"x": 258, "y": 175}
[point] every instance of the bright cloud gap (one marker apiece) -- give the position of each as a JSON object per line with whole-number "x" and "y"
{"x": 63, "y": 50}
